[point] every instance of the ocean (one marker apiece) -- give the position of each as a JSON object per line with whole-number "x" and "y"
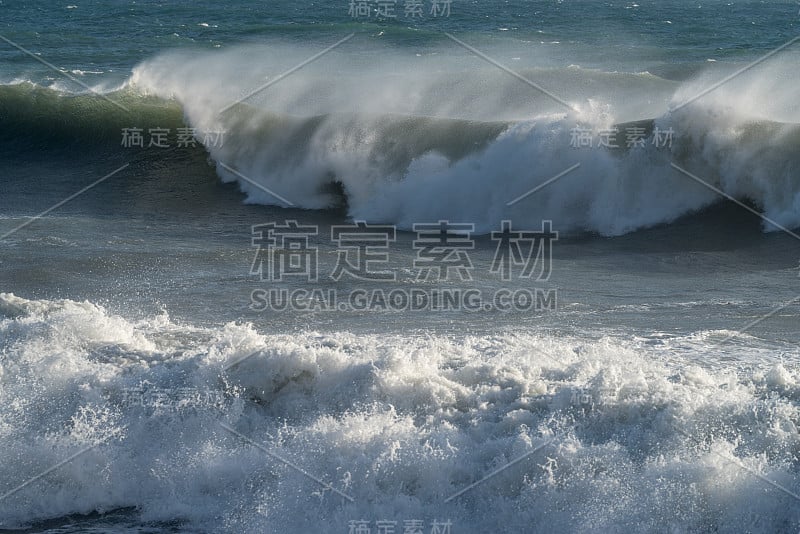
{"x": 380, "y": 266}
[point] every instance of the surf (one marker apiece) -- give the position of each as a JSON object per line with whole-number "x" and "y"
{"x": 315, "y": 141}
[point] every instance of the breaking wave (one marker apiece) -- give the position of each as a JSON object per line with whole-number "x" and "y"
{"x": 392, "y": 150}
{"x": 613, "y": 434}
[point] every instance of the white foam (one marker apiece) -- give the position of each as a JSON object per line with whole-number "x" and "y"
{"x": 642, "y": 439}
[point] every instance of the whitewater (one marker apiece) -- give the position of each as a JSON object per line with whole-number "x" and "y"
{"x": 612, "y": 434}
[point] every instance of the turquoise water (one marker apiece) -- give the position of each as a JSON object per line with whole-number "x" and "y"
{"x": 116, "y": 35}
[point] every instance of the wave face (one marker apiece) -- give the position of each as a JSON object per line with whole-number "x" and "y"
{"x": 42, "y": 118}
{"x": 616, "y": 435}
{"x": 436, "y": 143}
{"x": 404, "y": 153}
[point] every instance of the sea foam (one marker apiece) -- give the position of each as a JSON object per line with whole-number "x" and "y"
{"x": 253, "y": 432}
